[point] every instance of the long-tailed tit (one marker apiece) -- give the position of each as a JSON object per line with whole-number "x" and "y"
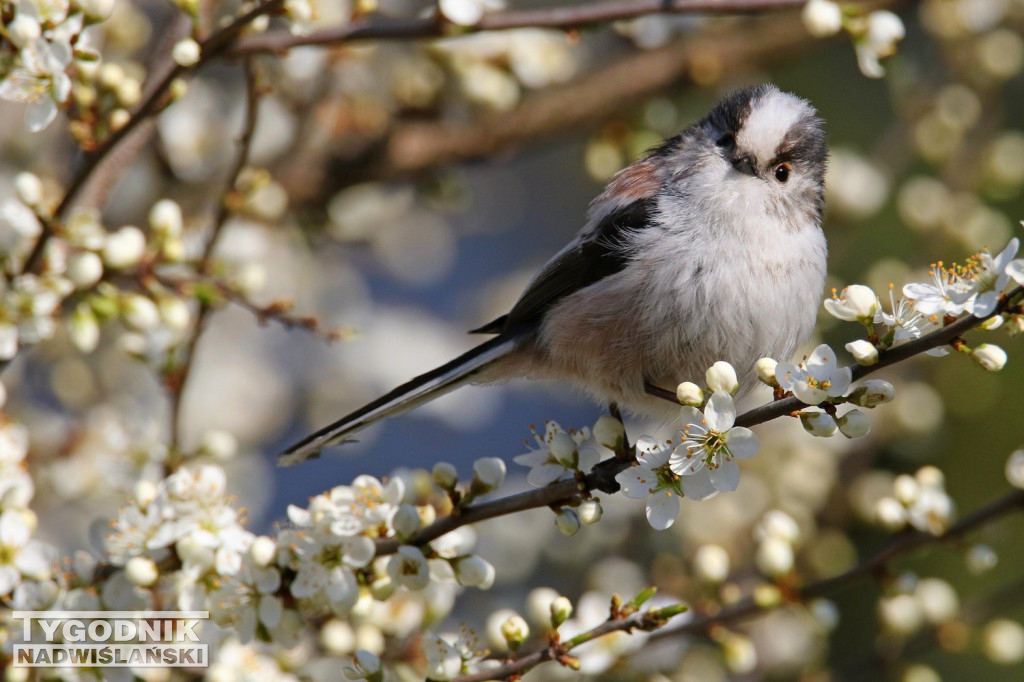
{"x": 708, "y": 248}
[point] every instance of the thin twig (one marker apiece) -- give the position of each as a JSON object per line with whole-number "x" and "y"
{"x": 212, "y": 47}
{"x": 570, "y": 17}
{"x": 184, "y": 369}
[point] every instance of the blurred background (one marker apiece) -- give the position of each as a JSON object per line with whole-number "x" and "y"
{"x": 404, "y": 191}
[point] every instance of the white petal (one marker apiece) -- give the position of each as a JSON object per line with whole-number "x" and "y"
{"x": 544, "y": 474}
{"x": 636, "y": 482}
{"x": 1016, "y": 270}
{"x": 662, "y": 510}
{"x": 985, "y": 303}
{"x": 726, "y": 477}
{"x": 743, "y": 443}
{"x": 720, "y": 411}
{"x": 840, "y": 381}
{"x": 822, "y": 362}
{"x": 271, "y": 609}
{"x": 786, "y": 373}
{"x": 40, "y": 113}
{"x": 698, "y": 486}
{"x": 358, "y": 551}
{"x": 685, "y": 465}
{"x": 691, "y": 415}
{"x": 809, "y": 394}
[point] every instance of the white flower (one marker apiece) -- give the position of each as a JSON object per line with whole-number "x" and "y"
{"x": 1003, "y": 641}
{"x": 722, "y": 377}
{"x": 988, "y": 277}
{"x": 774, "y": 557}
{"x": 947, "y": 295}
{"x": 864, "y": 352}
{"x": 38, "y": 79}
{"x": 408, "y": 567}
{"x": 817, "y": 378}
{"x": 141, "y": 571}
{"x": 560, "y": 455}
{"x": 822, "y": 18}
{"x": 689, "y": 393}
{"x": 366, "y": 666}
{"x": 515, "y": 631}
{"x": 856, "y": 303}
{"x": 20, "y": 555}
{"x": 29, "y": 188}
{"x": 989, "y": 356}
{"x": 709, "y": 440}
{"x": 884, "y": 30}
{"x": 932, "y": 511}
{"x": 84, "y": 269}
{"x": 906, "y": 323}
{"x": 444, "y": 660}
{"x": 468, "y": 12}
{"x": 18, "y": 225}
{"x": 651, "y": 478}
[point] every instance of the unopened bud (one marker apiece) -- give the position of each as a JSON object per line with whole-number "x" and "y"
{"x": 765, "y": 368}
{"x": 689, "y": 393}
{"x": 405, "y": 521}
{"x": 854, "y": 424}
{"x": 722, "y": 377}
{"x": 864, "y": 352}
{"x": 608, "y": 431}
{"x": 263, "y": 551}
{"x": 872, "y": 393}
{"x": 711, "y": 564}
{"x": 822, "y": 18}
{"x": 567, "y": 521}
{"x": 474, "y": 571}
{"x": 488, "y": 473}
{"x": 186, "y": 52}
{"x": 561, "y": 611}
{"x": 29, "y": 189}
{"x": 445, "y": 475}
{"x": 124, "y": 248}
{"x": 590, "y": 512}
{"x": 818, "y": 424}
{"x": 141, "y": 571}
{"x": 989, "y": 356}
{"x": 515, "y": 631}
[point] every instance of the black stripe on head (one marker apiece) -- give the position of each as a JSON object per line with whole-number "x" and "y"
{"x": 730, "y": 113}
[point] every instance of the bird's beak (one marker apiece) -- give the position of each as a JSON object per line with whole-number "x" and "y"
{"x": 744, "y": 164}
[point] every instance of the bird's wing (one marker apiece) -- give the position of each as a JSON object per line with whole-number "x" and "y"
{"x": 599, "y": 251}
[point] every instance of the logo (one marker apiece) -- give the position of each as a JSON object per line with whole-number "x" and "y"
{"x": 116, "y": 639}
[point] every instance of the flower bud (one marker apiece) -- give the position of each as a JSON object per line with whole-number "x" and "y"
{"x": 1015, "y": 469}
{"x": 939, "y": 601}
{"x": 872, "y": 392}
{"x": 84, "y": 269}
{"x": 263, "y": 551}
{"x": 1004, "y": 641}
{"x": 854, "y": 424}
{"x": 219, "y": 444}
{"x": 567, "y": 522}
{"x": 124, "y": 248}
{"x": 689, "y": 393}
{"x": 722, "y": 377}
{"x": 141, "y": 571}
{"x": 561, "y": 611}
{"x": 989, "y": 356}
{"x": 139, "y": 312}
{"x": 778, "y": 524}
{"x": 23, "y": 29}
{"x": 855, "y": 303}
{"x": 95, "y": 10}
{"x": 488, "y": 473}
{"x": 590, "y": 512}
{"x": 474, "y": 571}
{"x": 890, "y": 514}
{"x": 864, "y": 352}
{"x": 609, "y": 432}
{"x": 563, "y": 448}
{"x": 186, "y": 52}
{"x": 981, "y": 559}
{"x": 165, "y": 218}
{"x": 765, "y": 368}
{"x": 145, "y": 492}
{"x": 445, "y": 475}
{"x": 84, "y": 328}
{"x": 29, "y": 189}
{"x": 900, "y": 614}
{"x": 818, "y": 424}
{"x": 906, "y": 489}
{"x": 822, "y": 18}
{"x": 405, "y": 521}
{"x": 711, "y": 564}
{"x": 515, "y": 631}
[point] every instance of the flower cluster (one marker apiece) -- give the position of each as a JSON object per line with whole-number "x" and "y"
{"x": 874, "y": 34}
{"x": 920, "y": 501}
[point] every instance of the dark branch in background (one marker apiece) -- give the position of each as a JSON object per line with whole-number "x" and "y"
{"x": 178, "y": 381}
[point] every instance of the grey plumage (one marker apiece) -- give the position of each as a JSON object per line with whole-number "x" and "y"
{"x": 708, "y": 248}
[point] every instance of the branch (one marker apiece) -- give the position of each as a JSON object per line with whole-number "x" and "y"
{"x": 184, "y": 368}
{"x": 937, "y": 339}
{"x": 639, "y": 620}
{"x": 153, "y": 103}
{"x": 571, "y": 17}
{"x": 904, "y": 544}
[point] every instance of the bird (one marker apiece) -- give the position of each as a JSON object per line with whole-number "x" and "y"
{"x": 709, "y": 247}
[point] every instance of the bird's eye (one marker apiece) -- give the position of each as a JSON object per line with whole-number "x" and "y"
{"x": 782, "y": 172}
{"x": 727, "y": 140}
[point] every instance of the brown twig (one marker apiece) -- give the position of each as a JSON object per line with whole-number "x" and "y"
{"x": 184, "y": 369}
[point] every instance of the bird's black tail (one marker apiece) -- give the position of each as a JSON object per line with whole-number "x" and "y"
{"x": 423, "y": 388}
